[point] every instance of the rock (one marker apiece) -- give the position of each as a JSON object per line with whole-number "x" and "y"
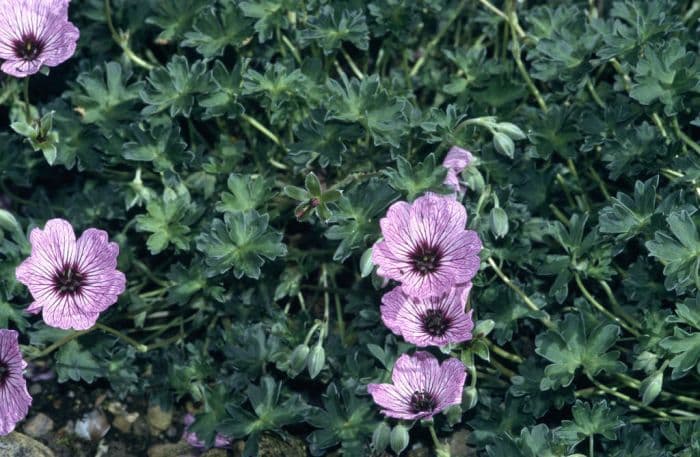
{"x": 159, "y": 419}
{"x": 93, "y": 426}
{"x": 215, "y": 453}
{"x": 180, "y": 449}
{"x": 274, "y": 446}
{"x": 458, "y": 444}
{"x": 38, "y": 426}
{"x": 17, "y": 445}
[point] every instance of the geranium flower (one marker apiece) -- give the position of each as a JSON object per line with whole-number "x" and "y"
{"x": 422, "y": 387}
{"x": 426, "y": 247}
{"x": 432, "y": 321}
{"x": 14, "y": 398}
{"x": 71, "y": 281}
{"x": 456, "y": 161}
{"x": 34, "y": 33}
{"x": 193, "y": 440}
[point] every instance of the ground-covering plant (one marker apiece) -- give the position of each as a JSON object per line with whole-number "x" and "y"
{"x": 480, "y": 215}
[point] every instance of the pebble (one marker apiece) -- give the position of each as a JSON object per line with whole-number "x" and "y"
{"x": 181, "y": 449}
{"x": 18, "y": 445}
{"x": 159, "y": 419}
{"x": 38, "y": 426}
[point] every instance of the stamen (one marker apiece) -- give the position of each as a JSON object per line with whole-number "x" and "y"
{"x": 435, "y": 322}
{"x": 422, "y": 402}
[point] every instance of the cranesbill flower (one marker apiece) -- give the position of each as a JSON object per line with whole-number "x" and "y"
{"x": 426, "y": 247}
{"x": 34, "y": 33}
{"x": 456, "y": 161}
{"x": 14, "y": 398}
{"x": 432, "y": 321}
{"x": 422, "y": 387}
{"x": 71, "y": 281}
{"x": 193, "y": 440}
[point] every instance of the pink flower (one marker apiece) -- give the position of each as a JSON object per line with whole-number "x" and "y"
{"x": 71, "y": 281}
{"x": 456, "y": 161}
{"x": 421, "y": 388}
{"x": 34, "y": 33}
{"x": 14, "y": 398}
{"x": 194, "y": 441}
{"x": 432, "y": 321}
{"x": 426, "y": 247}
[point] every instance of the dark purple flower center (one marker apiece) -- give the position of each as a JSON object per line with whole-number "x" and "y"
{"x": 28, "y": 48}
{"x": 4, "y": 373}
{"x": 435, "y": 322}
{"x": 426, "y": 259}
{"x": 68, "y": 280}
{"x": 422, "y": 402}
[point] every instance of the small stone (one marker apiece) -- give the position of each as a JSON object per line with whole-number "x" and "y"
{"x": 159, "y": 419}
{"x": 122, "y": 424}
{"x": 38, "y": 426}
{"x": 215, "y": 453}
{"x": 181, "y": 449}
{"x": 140, "y": 427}
{"x": 273, "y": 446}
{"x": 93, "y": 426}
{"x": 18, "y": 445}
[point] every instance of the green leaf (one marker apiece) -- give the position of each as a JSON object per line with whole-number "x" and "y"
{"x": 214, "y": 32}
{"x": 367, "y": 103}
{"x": 76, "y": 364}
{"x": 162, "y": 145}
{"x": 223, "y": 101}
{"x": 589, "y": 420}
{"x": 107, "y": 98}
{"x": 319, "y": 138}
{"x": 269, "y": 15}
{"x": 174, "y": 17}
{"x": 246, "y": 192}
{"x": 172, "y": 88}
{"x": 354, "y": 222}
{"x": 241, "y": 241}
{"x": 629, "y": 216}
{"x": 330, "y": 28}
{"x": 413, "y": 181}
{"x": 572, "y": 346}
{"x": 679, "y": 253}
{"x": 168, "y": 220}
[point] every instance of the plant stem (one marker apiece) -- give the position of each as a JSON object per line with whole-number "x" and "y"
{"x": 441, "y": 449}
{"x": 338, "y": 312}
{"x": 626, "y": 398}
{"x": 616, "y": 305}
{"x": 515, "y": 49}
{"x": 530, "y": 304}
{"x": 123, "y": 42}
{"x": 516, "y": 27}
{"x": 292, "y": 48}
{"x": 685, "y": 138}
{"x": 27, "y": 110}
{"x": 594, "y": 94}
{"x": 262, "y": 129}
{"x": 436, "y": 39}
{"x": 503, "y": 353}
{"x": 138, "y": 346}
{"x": 590, "y": 446}
{"x": 353, "y": 66}
{"x": 596, "y": 304}
{"x": 66, "y": 339}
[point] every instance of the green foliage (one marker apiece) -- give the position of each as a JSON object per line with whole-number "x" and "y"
{"x": 242, "y": 154}
{"x": 241, "y": 241}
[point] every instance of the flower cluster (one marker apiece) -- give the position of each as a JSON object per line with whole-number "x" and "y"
{"x": 429, "y": 252}
{"x": 72, "y": 282}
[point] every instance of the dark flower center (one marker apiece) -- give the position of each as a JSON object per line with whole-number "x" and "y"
{"x": 422, "y": 402}
{"x": 28, "y": 48}
{"x": 4, "y": 373}
{"x": 435, "y": 323}
{"x": 426, "y": 259}
{"x": 69, "y": 280}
